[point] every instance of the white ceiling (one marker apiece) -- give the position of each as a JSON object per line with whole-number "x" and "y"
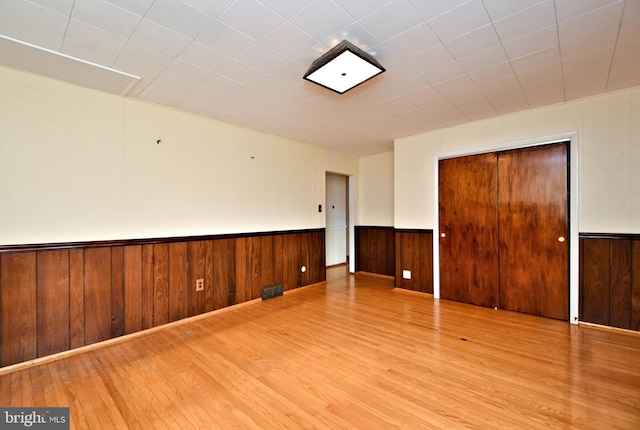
{"x": 242, "y": 61}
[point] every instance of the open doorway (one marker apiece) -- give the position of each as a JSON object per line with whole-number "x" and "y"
{"x": 337, "y": 240}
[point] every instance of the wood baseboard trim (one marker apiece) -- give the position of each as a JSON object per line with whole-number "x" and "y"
{"x": 377, "y": 276}
{"x": 411, "y": 292}
{"x": 608, "y": 328}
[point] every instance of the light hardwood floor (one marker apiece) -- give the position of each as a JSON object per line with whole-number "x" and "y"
{"x": 353, "y": 353}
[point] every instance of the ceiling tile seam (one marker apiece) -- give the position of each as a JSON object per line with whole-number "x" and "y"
{"x": 454, "y": 57}
{"x": 66, "y": 27}
{"x": 593, "y": 10}
{"x": 193, "y": 40}
{"x": 198, "y": 9}
{"x": 508, "y": 60}
{"x": 564, "y": 87}
{"x": 365, "y": 16}
{"x": 615, "y": 46}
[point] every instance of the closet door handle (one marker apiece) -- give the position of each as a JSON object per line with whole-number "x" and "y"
{"x": 561, "y": 239}
{"x": 443, "y": 235}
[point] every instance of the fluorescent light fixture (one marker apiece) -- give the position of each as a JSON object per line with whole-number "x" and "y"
{"x": 28, "y": 57}
{"x": 343, "y": 67}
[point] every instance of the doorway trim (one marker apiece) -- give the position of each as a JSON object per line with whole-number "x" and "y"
{"x": 574, "y": 246}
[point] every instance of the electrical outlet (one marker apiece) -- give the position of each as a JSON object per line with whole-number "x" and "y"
{"x": 200, "y": 284}
{"x": 406, "y": 274}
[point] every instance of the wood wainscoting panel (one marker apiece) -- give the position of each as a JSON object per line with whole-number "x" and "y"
{"x": 375, "y": 250}
{"x": 97, "y": 294}
{"x": 132, "y": 289}
{"x": 197, "y": 269}
{"x": 594, "y": 280}
{"x": 292, "y": 276}
{"x": 18, "y": 307}
{"x": 243, "y": 269}
{"x": 222, "y": 272}
{"x": 56, "y": 297}
{"x": 414, "y": 252}
{"x": 635, "y": 285}
{"x": 620, "y": 281}
{"x": 117, "y": 291}
{"x": 610, "y": 279}
{"x": 52, "y": 301}
{"x": 178, "y": 268}
{"x": 160, "y": 284}
{"x": 76, "y": 298}
{"x": 148, "y": 297}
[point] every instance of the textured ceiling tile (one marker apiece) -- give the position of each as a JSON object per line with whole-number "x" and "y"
{"x": 225, "y": 39}
{"x": 251, "y": 18}
{"x": 321, "y": 19}
{"x": 32, "y": 23}
{"x": 289, "y": 40}
{"x": 463, "y": 19}
{"x": 106, "y": 16}
{"x": 413, "y": 41}
{"x": 358, "y": 8}
{"x": 526, "y": 21}
{"x": 179, "y": 17}
{"x": 392, "y": 19}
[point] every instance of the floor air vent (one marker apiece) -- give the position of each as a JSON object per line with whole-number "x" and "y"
{"x": 270, "y": 292}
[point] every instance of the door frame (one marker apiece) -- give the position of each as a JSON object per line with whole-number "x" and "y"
{"x": 574, "y": 246}
{"x": 351, "y": 216}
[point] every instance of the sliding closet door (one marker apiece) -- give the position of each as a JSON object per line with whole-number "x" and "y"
{"x": 468, "y": 217}
{"x": 534, "y": 230}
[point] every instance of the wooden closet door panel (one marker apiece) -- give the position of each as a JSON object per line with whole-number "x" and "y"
{"x": 468, "y": 218}
{"x": 534, "y": 245}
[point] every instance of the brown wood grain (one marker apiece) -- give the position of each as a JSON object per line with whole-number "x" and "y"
{"x": 160, "y": 284}
{"x": 468, "y": 217}
{"x": 210, "y": 276}
{"x": 407, "y": 245}
{"x": 256, "y": 267}
{"x": 620, "y": 284}
{"x": 228, "y": 298}
{"x": 375, "y": 250}
{"x": 304, "y": 258}
{"x": 76, "y": 298}
{"x": 594, "y": 282}
{"x": 278, "y": 258}
{"x": 178, "y": 268}
{"x": 362, "y": 247}
{"x": 243, "y": 269}
{"x": 97, "y": 294}
{"x": 534, "y": 264}
{"x": 147, "y": 278}
{"x": 425, "y": 279}
{"x": 53, "y": 302}
{"x": 635, "y": 285}
{"x": 196, "y": 270}
{"x": 317, "y": 257}
{"x": 266, "y": 262}
{"x": 117, "y": 291}
{"x": 221, "y": 274}
{"x": 390, "y": 258}
{"x": 292, "y": 262}
{"x": 18, "y": 307}
{"x": 125, "y": 288}
{"x": 132, "y": 289}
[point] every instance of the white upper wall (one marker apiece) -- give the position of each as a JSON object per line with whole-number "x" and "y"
{"x": 608, "y": 129}
{"x": 77, "y": 164}
{"x": 376, "y": 190}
